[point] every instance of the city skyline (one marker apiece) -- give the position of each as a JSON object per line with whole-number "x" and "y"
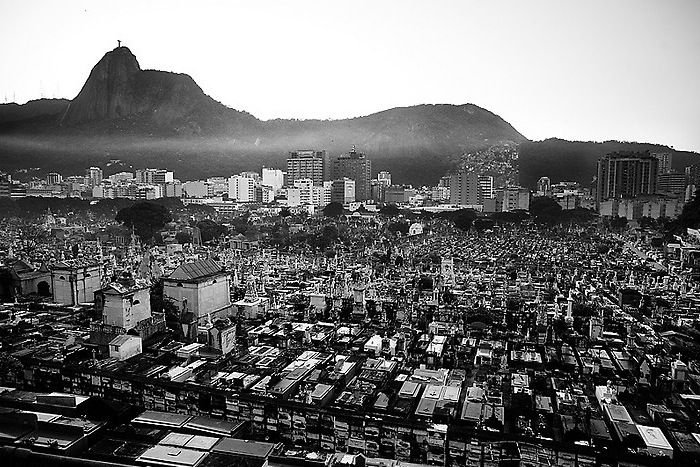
{"x": 590, "y": 71}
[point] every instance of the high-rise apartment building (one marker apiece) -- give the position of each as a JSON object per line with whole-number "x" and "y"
{"x": 242, "y": 189}
{"x": 308, "y": 163}
{"x": 121, "y": 177}
{"x": 544, "y": 186}
{"x": 53, "y": 178}
{"x": 665, "y": 159}
{"x": 515, "y": 198}
{"x": 322, "y": 194}
{"x": 343, "y": 191}
{"x": 469, "y": 189}
{"x": 93, "y": 176}
{"x": 672, "y": 184}
{"x": 219, "y": 185}
{"x": 384, "y": 178}
{"x": 356, "y": 167}
{"x": 306, "y": 190}
{"x": 249, "y": 174}
{"x": 173, "y": 189}
{"x": 153, "y": 176}
{"x": 692, "y": 173}
{"x": 626, "y": 175}
{"x": 485, "y": 188}
{"x": 264, "y": 194}
{"x": 509, "y": 198}
{"x": 198, "y": 189}
{"x": 274, "y": 178}
{"x": 397, "y": 194}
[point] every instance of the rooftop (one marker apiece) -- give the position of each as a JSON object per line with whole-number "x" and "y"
{"x": 196, "y": 270}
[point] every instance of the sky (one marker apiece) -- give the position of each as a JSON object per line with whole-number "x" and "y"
{"x": 581, "y": 70}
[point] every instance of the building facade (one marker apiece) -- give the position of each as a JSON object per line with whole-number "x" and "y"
{"x": 356, "y": 167}
{"x": 242, "y": 189}
{"x": 75, "y": 283}
{"x": 544, "y": 186}
{"x": 665, "y": 159}
{"x": 153, "y": 176}
{"x": 384, "y": 178}
{"x": 626, "y": 175}
{"x": 124, "y": 303}
{"x": 306, "y": 190}
{"x": 308, "y": 163}
{"x": 274, "y": 178}
{"x": 343, "y": 191}
{"x": 93, "y": 176}
{"x": 469, "y": 189}
{"x": 672, "y": 184}
{"x": 201, "y": 288}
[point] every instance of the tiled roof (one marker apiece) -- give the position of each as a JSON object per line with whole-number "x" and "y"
{"x": 198, "y": 269}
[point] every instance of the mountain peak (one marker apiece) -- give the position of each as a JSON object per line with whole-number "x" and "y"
{"x": 119, "y": 94}
{"x": 121, "y": 54}
{"x": 108, "y": 91}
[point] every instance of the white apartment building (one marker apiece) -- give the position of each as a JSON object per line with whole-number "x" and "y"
{"x": 306, "y": 190}
{"x": 241, "y": 189}
{"x": 198, "y": 189}
{"x": 273, "y": 178}
{"x": 322, "y": 195}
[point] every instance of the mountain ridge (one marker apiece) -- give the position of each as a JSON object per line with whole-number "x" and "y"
{"x": 160, "y": 118}
{"x": 156, "y": 117}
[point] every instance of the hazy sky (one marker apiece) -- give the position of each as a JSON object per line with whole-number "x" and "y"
{"x": 587, "y": 70}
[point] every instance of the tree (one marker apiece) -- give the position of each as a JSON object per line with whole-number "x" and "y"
{"x": 183, "y": 237}
{"x": 618, "y": 223}
{"x": 512, "y": 217}
{"x": 33, "y": 236}
{"x": 464, "y": 218}
{"x": 690, "y": 216}
{"x": 145, "y": 218}
{"x": 285, "y": 212}
{"x": 581, "y": 216}
{"x": 210, "y": 230}
{"x": 8, "y": 208}
{"x": 399, "y": 227}
{"x": 545, "y": 210}
{"x": 390, "y": 210}
{"x": 646, "y": 222}
{"x": 334, "y": 209}
{"x": 330, "y": 231}
{"x": 201, "y": 209}
{"x": 324, "y": 239}
{"x": 482, "y": 224}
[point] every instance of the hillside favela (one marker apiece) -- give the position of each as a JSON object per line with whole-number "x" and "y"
{"x": 183, "y": 284}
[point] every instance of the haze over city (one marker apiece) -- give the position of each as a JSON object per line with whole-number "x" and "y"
{"x": 596, "y": 70}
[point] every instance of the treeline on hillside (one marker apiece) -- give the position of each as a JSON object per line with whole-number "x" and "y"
{"x": 31, "y": 207}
